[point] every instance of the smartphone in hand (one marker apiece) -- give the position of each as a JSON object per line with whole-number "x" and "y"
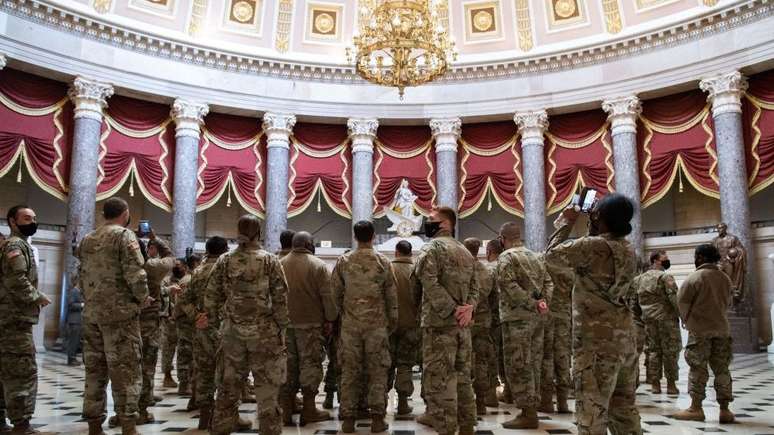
{"x": 144, "y": 228}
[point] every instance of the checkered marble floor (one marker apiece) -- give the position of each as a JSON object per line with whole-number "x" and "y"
{"x": 61, "y": 388}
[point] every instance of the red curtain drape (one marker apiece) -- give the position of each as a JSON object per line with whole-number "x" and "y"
{"x": 232, "y": 162}
{"x": 675, "y": 134}
{"x": 36, "y": 120}
{"x": 490, "y": 167}
{"x": 404, "y": 152}
{"x": 138, "y": 144}
{"x": 578, "y": 153}
{"x": 758, "y": 122}
{"x": 320, "y": 168}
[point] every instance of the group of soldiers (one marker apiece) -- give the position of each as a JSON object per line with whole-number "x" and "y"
{"x": 558, "y": 323}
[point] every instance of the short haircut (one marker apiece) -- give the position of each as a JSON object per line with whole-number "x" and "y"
{"x": 216, "y": 246}
{"x": 181, "y": 260}
{"x": 154, "y": 244}
{"x": 286, "y": 239}
{"x": 364, "y": 231}
{"x": 510, "y": 231}
{"x": 302, "y": 239}
{"x": 616, "y": 211}
{"x": 449, "y": 214}
{"x": 249, "y": 226}
{"x": 114, "y": 207}
{"x": 494, "y": 246}
{"x": 404, "y": 248}
{"x": 655, "y": 255}
{"x": 192, "y": 259}
{"x": 13, "y": 211}
{"x": 473, "y": 245}
{"x": 709, "y": 252}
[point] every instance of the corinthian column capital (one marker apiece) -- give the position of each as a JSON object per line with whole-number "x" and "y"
{"x": 531, "y": 125}
{"x": 89, "y": 97}
{"x": 725, "y": 92}
{"x": 623, "y": 113}
{"x": 188, "y": 116}
{"x": 278, "y": 127}
{"x": 362, "y": 131}
{"x": 446, "y": 131}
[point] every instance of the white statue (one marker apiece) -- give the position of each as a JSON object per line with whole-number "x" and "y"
{"x": 401, "y": 213}
{"x": 404, "y": 200}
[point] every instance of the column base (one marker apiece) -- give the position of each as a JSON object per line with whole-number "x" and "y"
{"x": 744, "y": 331}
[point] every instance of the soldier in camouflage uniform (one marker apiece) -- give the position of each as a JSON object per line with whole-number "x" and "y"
{"x": 206, "y": 338}
{"x": 496, "y": 365}
{"x": 445, "y": 270}
{"x": 657, "y": 296}
{"x": 604, "y": 355}
{"x": 703, "y": 301}
{"x": 248, "y": 291}
{"x": 480, "y": 332}
{"x": 404, "y": 341}
{"x": 171, "y": 288}
{"x": 523, "y": 281}
{"x": 557, "y": 344}
{"x": 364, "y": 289}
{"x": 20, "y": 303}
{"x": 115, "y": 287}
{"x": 311, "y": 309}
{"x": 639, "y": 324}
{"x": 185, "y": 317}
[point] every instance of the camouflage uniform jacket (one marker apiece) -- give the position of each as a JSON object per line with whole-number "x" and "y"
{"x": 408, "y": 311}
{"x": 488, "y": 300}
{"x": 604, "y": 267}
{"x": 522, "y": 279}
{"x": 19, "y": 287}
{"x": 561, "y": 302}
{"x": 194, "y": 294}
{"x": 184, "y": 307}
{"x": 657, "y": 294}
{"x": 112, "y": 277}
{"x": 247, "y": 289}
{"x": 157, "y": 268}
{"x": 445, "y": 271}
{"x": 310, "y": 300}
{"x": 364, "y": 289}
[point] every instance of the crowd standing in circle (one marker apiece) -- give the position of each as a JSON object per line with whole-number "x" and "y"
{"x": 570, "y": 321}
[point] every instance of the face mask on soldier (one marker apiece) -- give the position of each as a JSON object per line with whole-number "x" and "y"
{"x": 28, "y": 230}
{"x": 432, "y": 228}
{"x": 666, "y": 264}
{"x": 178, "y": 272}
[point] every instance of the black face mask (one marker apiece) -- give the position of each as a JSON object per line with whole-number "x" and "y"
{"x": 178, "y": 272}
{"x": 28, "y": 230}
{"x": 666, "y": 264}
{"x": 128, "y": 221}
{"x": 432, "y": 228}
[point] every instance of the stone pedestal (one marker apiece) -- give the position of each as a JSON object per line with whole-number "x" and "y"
{"x": 277, "y": 127}
{"x": 532, "y": 125}
{"x": 446, "y": 132}
{"x": 623, "y": 113}
{"x": 188, "y": 118}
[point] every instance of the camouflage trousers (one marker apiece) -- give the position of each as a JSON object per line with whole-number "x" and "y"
{"x": 447, "y": 354}
{"x": 497, "y": 334}
{"x": 664, "y": 345}
{"x": 206, "y": 342}
{"x": 18, "y": 371}
{"x": 404, "y": 345}
{"x": 112, "y": 353}
{"x": 150, "y": 332}
{"x": 185, "y": 337}
{"x": 332, "y": 372}
{"x": 305, "y": 358}
{"x": 168, "y": 343}
{"x": 715, "y": 351}
{"x": 557, "y": 354}
{"x": 523, "y": 350}
{"x": 483, "y": 354}
{"x": 642, "y": 339}
{"x": 605, "y": 387}
{"x": 359, "y": 349}
{"x": 266, "y": 358}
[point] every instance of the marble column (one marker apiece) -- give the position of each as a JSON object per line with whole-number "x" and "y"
{"x": 532, "y": 125}
{"x": 188, "y": 116}
{"x": 277, "y": 127}
{"x": 622, "y": 113}
{"x": 89, "y": 98}
{"x": 446, "y": 132}
{"x": 362, "y": 133}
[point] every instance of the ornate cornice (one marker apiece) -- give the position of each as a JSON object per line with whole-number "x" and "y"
{"x": 2, "y": 61}
{"x": 278, "y": 128}
{"x": 725, "y": 92}
{"x": 89, "y": 97}
{"x": 531, "y": 125}
{"x": 60, "y": 18}
{"x": 622, "y": 113}
{"x": 188, "y": 116}
{"x": 362, "y": 131}
{"x": 446, "y": 132}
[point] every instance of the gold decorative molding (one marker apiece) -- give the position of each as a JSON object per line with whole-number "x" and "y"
{"x": 198, "y": 13}
{"x": 612, "y": 16}
{"x": 284, "y": 17}
{"x": 710, "y": 3}
{"x": 102, "y": 6}
{"x": 443, "y": 13}
{"x": 524, "y": 24}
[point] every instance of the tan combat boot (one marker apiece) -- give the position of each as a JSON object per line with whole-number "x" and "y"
{"x": 726, "y": 416}
{"x": 655, "y": 387}
{"x": 672, "y": 388}
{"x": 205, "y": 417}
{"x": 95, "y": 427}
{"x": 145, "y": 417}
{"x": 546, "y": 404}
{"x": 23, "y": 428}
{"x": 310, "y": 413}
{"x": 378, "y": 425}
{"x": 403, "y": 406}
{"x": 128, "y": 427}
{"x": 694, "y": 413}
{"x": 561, "y": 403}
{"x": 168, "y": 381}
{"x": 348, "y": 425}
{"x": 528, "y": 419}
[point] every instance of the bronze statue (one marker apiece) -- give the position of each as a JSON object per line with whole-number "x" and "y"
{"x": 733, "y": 259}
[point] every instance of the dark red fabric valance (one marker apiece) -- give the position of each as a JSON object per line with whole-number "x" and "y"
{"x": 758, "y": 122}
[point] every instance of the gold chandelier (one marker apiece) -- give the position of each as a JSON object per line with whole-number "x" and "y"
{"x": 401, "y": 43}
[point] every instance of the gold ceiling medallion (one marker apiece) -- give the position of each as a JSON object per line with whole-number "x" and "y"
{"x": 401, "y": 43}
{"x": 483, "y": 20}
{"x": 565, "y": 8}
{"x": 243, "y": 11}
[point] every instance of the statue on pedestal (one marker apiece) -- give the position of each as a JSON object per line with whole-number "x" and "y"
{"x": 733, "y": 260}
{"x": 402, "y": 215}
